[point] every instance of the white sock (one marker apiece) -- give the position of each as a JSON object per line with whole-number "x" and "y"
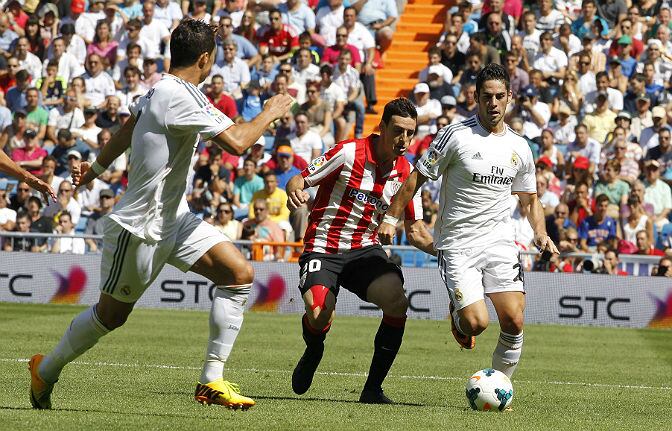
{"x": 83, "y": 333}
{"x": 507, "y": 353}
{"x": 226, "y": 318}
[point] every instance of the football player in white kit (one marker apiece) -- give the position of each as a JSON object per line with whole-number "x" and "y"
{"x": 151, "y": 225}
{"x": 482, "y": 162}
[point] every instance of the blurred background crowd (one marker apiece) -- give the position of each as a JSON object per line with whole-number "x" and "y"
{"x": 591, "y": 84}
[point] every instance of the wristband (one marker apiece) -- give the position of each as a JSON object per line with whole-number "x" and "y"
{"x": 390, "y": 220}
{"x": 97, "y": 168}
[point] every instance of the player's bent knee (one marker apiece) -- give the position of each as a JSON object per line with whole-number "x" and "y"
{"x": 512, "y": 324}
{"x": 474, "y": 324}
{"x": 243, "y": 273}
{"x": 397, "y": 306}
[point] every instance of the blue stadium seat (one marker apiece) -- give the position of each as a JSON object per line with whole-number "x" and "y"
{"x": 81, "y": 224}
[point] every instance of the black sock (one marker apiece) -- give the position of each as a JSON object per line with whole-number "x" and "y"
{"x": 386, "y": 345}
{"x": 314, "y": 338}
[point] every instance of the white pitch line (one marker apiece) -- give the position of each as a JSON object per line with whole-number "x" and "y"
{"x": 342, "y": 374}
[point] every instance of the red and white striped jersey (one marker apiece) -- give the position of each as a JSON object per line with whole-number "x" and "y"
{"x": 353, "y": 197}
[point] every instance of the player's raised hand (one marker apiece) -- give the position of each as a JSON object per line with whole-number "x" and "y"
{"x": 296, "y": 199}
{"x": 545, "y": 243}
{"x": 42, "y": 187}
{"x": 278, "y": 105}
{"x": 79, "y": 170}
{"x": 386, "y": 233}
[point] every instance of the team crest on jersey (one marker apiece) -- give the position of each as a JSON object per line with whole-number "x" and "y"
{"x": 433, "y": 157}
{"x": 317, "y": 163}
{"x": 395, "y": 184}
{"x": 514, "y": 160}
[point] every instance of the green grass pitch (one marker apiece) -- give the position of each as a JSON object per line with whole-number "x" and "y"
{"x": 143, "y": 376}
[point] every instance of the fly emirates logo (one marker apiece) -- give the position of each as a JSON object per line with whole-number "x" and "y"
{"x": 368, "y": 199}
{"x": 496, "y": 176}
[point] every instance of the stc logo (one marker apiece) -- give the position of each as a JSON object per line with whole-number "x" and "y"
{"x": 70, "y": 288}
{"x": 663, "y": 316}
{"x": 269, "y": 294}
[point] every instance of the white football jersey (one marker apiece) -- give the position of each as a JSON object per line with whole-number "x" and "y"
{"x": 480, "y": 170}
{"x": 169, "y": 119}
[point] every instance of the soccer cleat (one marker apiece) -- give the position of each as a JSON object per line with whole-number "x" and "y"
{"x": 465, "y": 341}
{"x": 302, "y": 377}
{"x": 40, "y": 391}
{"x": 374, "y": 397}
{"x": 222, "y": 393}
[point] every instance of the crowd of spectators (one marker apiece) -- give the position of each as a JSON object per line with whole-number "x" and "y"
{"x": 590, "y": 81}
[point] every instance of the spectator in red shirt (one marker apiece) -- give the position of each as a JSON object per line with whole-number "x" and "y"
{"x": 610, "y": 264}
{"x": 30, "y": 157}
{"x": 277, "y": 39}
{"x": 644, "y": 245}
{"x": 17, "y": 17}
{"x": 221, "y": 101}
{"x": 582, "y": 206}
{"x": 330, "y": 54}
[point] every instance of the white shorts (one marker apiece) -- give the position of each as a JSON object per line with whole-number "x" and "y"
{"x": 129, "y": 264}
{"x": 470, "y": 274}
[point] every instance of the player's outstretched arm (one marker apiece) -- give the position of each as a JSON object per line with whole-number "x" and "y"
{"x": 238, "y": 138}
{"x": 296, "y": 196}
{"x": 388, "y": 227}
{"x": 419, "y": 236}
{"x": 10, "y": 168}
{"x": 84, "y": 172}
{"x": 538, "y": 222}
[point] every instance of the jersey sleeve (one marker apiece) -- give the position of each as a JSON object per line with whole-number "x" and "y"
{"x": 526, "y": 179}
{"x": 439, "y": 155}
{"x": 195, "y": 114}
{"x": 322, "y": 166}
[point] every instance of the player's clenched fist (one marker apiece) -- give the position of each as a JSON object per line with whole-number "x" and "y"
{"x": 296, "y": 199}
{"x": 278, "y": 105}
{"x": 386, "y": 233}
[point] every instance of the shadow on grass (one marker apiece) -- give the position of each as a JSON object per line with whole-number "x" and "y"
{"x": 331, "y": 400}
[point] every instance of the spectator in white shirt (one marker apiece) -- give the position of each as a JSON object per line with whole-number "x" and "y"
{"x": 66, "y": 243}
{"x": 168, "y": 12}
{"x": 329, "y": 17}
{"x": 133, "y": 86}
{"x": 550, "y": 60}
{"x": 434, "y": 55}
{"x": 428, "y": 110}
{"x": 67, "y": 116}
{"x": 27, "y": 60}
{"x": 152, "y": 31}
{"x": 305, "y": 142}
{"x": 614, "y": 97}
{"x": 68, "y": 65}
{"x": 347, "y": 77}
{"x": 65, "y": 201}
{"x": 305, "y": 70}
{"x": 530, "y": 35}
{"x": 99, "y": 84}
{"x": 74, "y": 44}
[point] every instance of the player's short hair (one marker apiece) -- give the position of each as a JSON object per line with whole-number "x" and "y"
{"x": 400, "y": 106}
{"x": 601, "y": 74}
{"x": 325, "y": 68}
{"x": 189, "y": 41}
{"x": 492, "y": 72}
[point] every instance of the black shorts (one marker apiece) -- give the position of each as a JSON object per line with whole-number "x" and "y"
{"x": 354, "y": 270}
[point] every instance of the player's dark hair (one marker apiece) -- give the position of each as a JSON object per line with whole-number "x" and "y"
{"x": 326, "y": 69}
{"x": 189, "y": 41}
{"x": 492, "y": 72}
{"x": 401, "y": 107}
